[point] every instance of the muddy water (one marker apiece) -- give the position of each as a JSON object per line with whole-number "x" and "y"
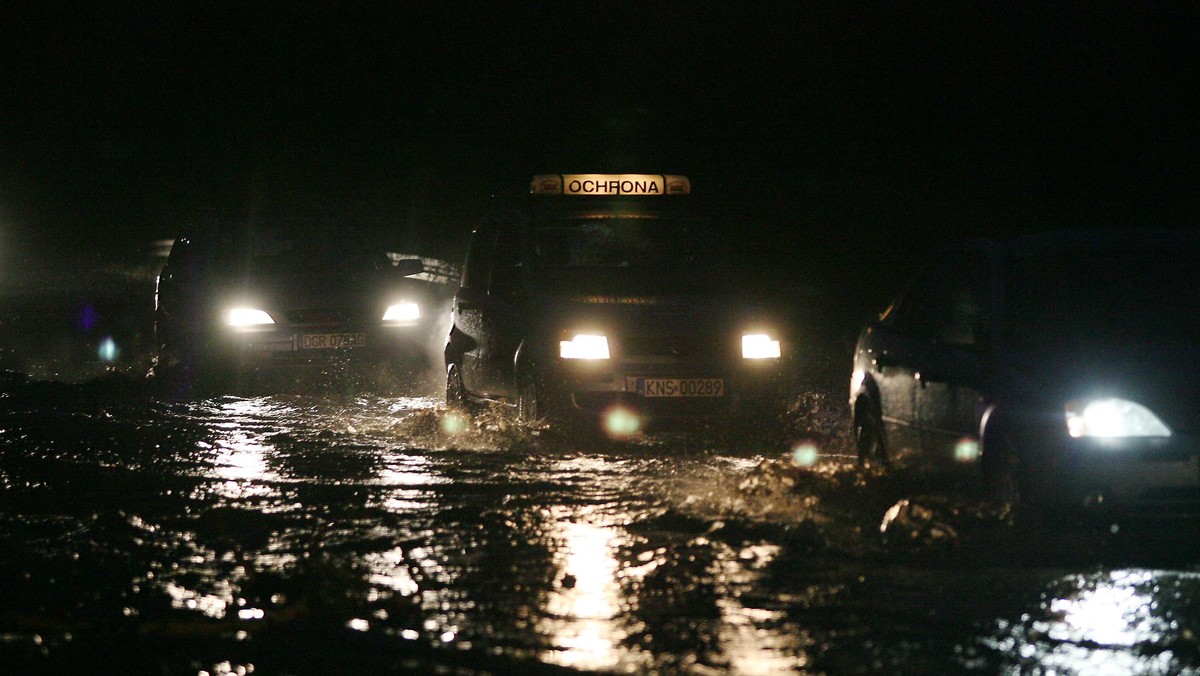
{"x": 349, "y": 528}
{"x": 310, "y": 533}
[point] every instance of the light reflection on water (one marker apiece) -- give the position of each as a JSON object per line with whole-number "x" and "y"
{"x": 754, "y": 640}
{"x": 1115, "y": 622}
{"x": 390, "y": 569}
{"x": 212, "y": 605}
{"x": 241, "y": 455}
{"x": 590, "y": 558}
{"x": 587, "y": 618}
{"x": 591, "y": 614}
{"x": 241, "y": 450}
{"x": 583, "y": 613}
{"x": 409, "y": 470}
{"x": 588, "y": 615}
{"x": 409, "y": 477}
{"x": 210, "y": 587}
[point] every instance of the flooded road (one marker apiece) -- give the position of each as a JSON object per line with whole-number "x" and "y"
{"x": 351, "y": 530}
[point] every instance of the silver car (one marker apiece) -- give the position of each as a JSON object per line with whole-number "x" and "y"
{"x": 286, "y": 294}
{"x": 1061, "y": 365}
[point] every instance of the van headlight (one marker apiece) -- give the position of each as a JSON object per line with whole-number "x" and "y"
{"x": 584, "y": 346}
{"x": 246, "y": 316}
{"x": 402, "y": 312}
{"x": 1113, "y": 418}
{"x": 759, "y": 346}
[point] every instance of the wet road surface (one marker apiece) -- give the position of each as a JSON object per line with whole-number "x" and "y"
{"x": 352, "y": 530}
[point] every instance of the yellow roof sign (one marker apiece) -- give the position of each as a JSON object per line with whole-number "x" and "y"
{"x": 609, "y": 184}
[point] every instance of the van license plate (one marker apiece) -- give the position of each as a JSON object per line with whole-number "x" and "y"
{"x": 681, "y": 387}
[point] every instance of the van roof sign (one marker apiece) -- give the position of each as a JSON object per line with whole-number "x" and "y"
{"x": 610, "y": 184}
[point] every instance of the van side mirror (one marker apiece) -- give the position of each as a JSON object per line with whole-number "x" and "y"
{"x": 409, "y": 266}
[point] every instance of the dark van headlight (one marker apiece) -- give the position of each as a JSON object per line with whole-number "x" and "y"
{"x": 759, "y": 346}
{"x": 584, "y": 346}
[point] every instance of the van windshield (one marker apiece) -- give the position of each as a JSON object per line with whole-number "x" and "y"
{"x": 627, "y": 254}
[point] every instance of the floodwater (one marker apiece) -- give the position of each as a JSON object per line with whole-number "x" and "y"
{"x": 342, "y": 528}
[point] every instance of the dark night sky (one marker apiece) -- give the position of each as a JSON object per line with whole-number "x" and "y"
{"x": 883, "y": 124}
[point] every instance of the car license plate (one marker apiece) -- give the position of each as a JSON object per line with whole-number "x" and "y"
{"x": 319, "y": 341}
{"x": 681, "y": 387}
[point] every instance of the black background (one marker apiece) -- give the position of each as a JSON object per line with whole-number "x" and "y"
{"x": 878, "y": 128}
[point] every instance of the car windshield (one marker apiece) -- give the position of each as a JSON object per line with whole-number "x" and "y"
{"x": 274, "y": 251}
{"x": 627, "y": 254}
{"x": 1116, "y": 296}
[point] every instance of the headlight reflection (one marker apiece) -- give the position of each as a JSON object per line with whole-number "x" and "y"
{"x": 1112, "y": 622}
{"x": 755, "y": 640}
{"x": 586, "y": 605}
{"x": 240, "y": 455}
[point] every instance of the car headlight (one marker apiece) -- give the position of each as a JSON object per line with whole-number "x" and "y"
{"x": 402, "y": 312}
{"x": 584, "y": 346}
{"x": 244, "y": 316}
{"x": 1112, "y": 418}
{"x": 759, "y": 346}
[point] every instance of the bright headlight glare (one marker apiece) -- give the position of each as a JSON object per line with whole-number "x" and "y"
{"x": 584, "y": 346}
{"x": 402, "y": 312}
{"x": 1113, "y": 418}
{"x": 243, "y": 316}
{"x": 759, "y": 346}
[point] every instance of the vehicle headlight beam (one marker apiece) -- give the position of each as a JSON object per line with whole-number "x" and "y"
{"x": 759, "y": 346}
{"x": 1113, "y": 418}
{"x": 402, "y": 312}
{"x": 244, "y": 316}
{"x": 584, "y": 346}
